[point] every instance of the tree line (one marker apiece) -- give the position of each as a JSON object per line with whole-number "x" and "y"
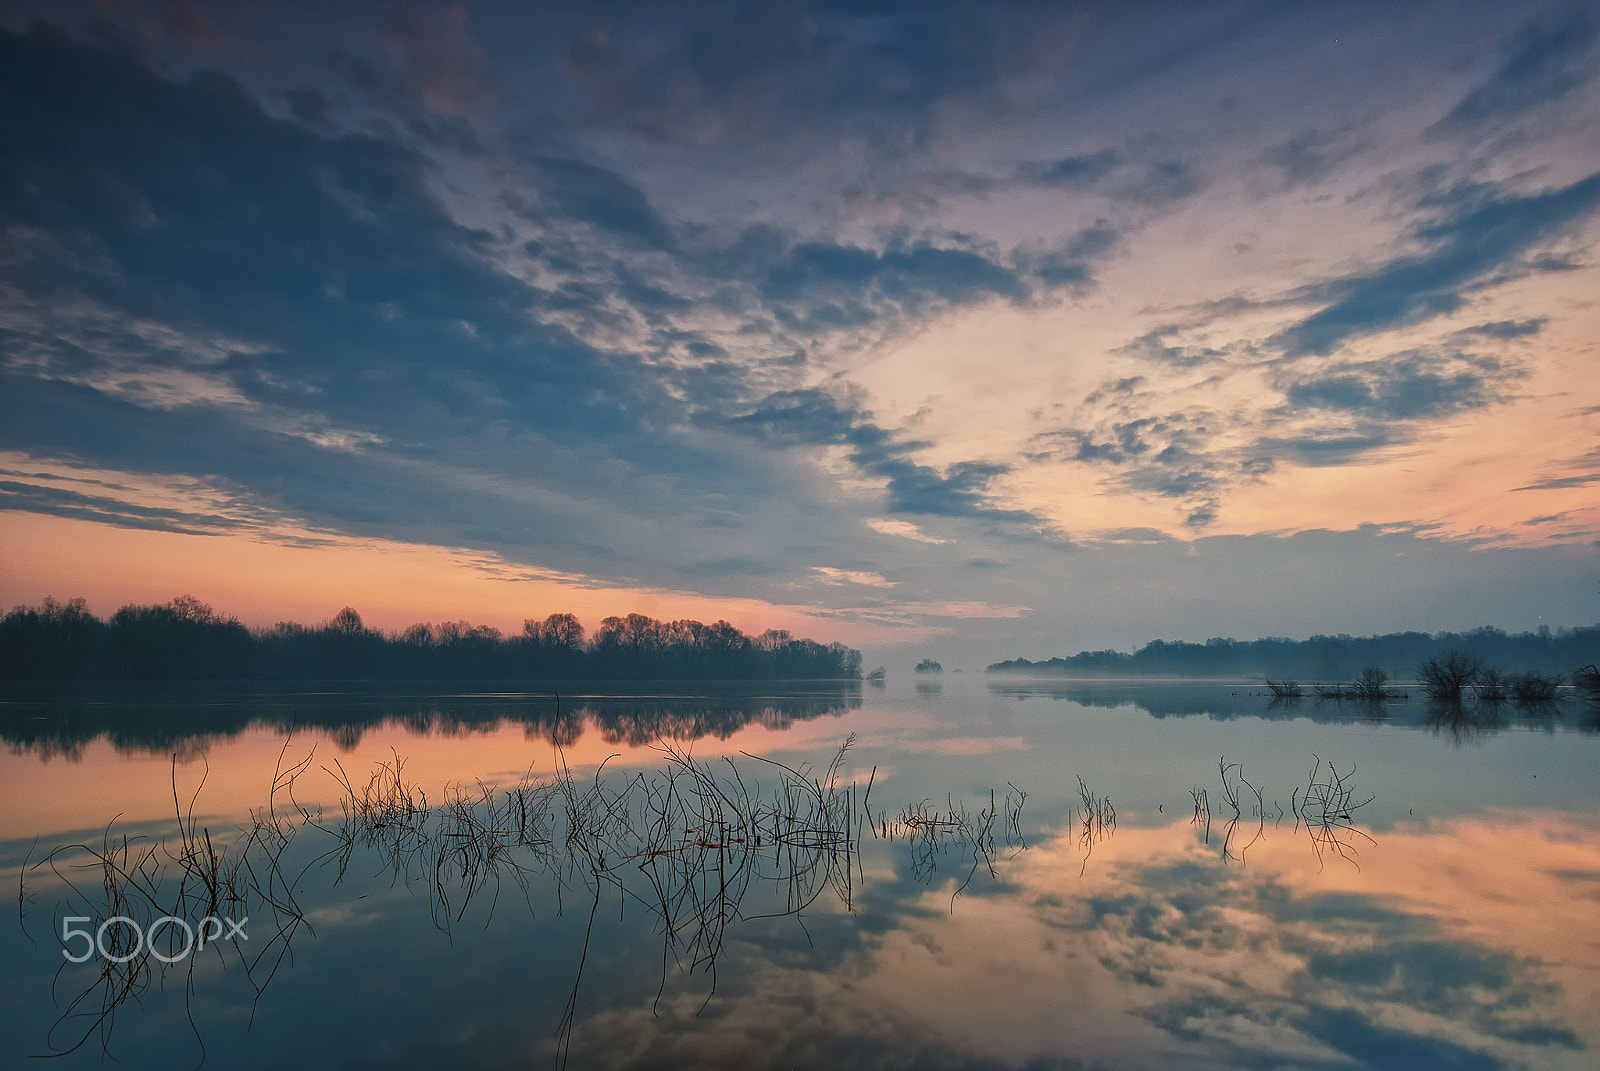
{"x": 185, "y": 639}
{"x": 1326, "y": 658}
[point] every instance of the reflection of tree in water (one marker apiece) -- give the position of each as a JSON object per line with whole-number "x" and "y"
{"x": 1465, "y": 722}
{"x": 693, "y": 843}
{"x": 1468, "y": 719}
{"x": 164, "y": 720}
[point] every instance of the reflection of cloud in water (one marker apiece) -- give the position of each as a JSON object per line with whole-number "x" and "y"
{"x": 965, "y": 745}
{"x": 1463, "y": 943}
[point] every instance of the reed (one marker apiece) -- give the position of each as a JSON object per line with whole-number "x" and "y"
{"x": 1202, "y": 810}
{"x": 689, "y": 842}
{"x": 188, "y": 876}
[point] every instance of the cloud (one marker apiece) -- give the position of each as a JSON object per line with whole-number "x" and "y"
{"x": 595, "y": 296}
{"x": 1319, "y": 449}
{"x": 1119, "y": 175}
{"x": 1311, "y": 155}
{"x": 600, "y": 197}
{"x": 832, "y": 575}
{"x": 808, "y": 80}
{"x": 446, "y": 65}
{"x": 1075, "y": 172}
{"x": 815, "y": 417}
{"x": 1545, "y": 62}
{"x": 1475, "y": 238}
{"x": 183, "y": 268}
{"x": 1506, "y": 330}
{"x": 823, "y": 286}
{"x": 1560, "y": 482}
{"x": 1408, "y": 386}
{"x": 1333, "y": 413}
{"x": 903, "y": 529}
{"x": 103, "y": 509}
{"x": 1152, "y": 346}
{"x": 1169, "y": 455}
{"x": 1072, "y": 262}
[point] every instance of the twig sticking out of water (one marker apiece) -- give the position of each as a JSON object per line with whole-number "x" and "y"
{"x": 687, "y": 843}
{"x": 1232, "y": 781}
{"x": 1097, "y": 819}
{"x": 1588, "y": 681}
{"x": 172, "y": 887}
{"x": 1326, "y": 807}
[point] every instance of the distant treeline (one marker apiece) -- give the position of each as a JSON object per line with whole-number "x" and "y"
{"x": 1329, "y": 658}
{"x": 186, "y": 640}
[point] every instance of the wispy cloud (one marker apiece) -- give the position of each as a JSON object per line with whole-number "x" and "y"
{"x": 903, "y": 529}
{"x": 1475, "y": 237}
{"x": 832, "y": 575}
{"x": 1545, "y": 62}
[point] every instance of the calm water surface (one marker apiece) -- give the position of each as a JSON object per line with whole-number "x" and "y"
{"x": 1011, "y": 874}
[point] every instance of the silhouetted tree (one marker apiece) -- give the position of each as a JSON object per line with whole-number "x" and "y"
{"x": 178, "y": 640}
{"x": 1444, "y": 678}
{"x": 55, "y": 640}
{"x": 186, "y": 638}
{"x": 1326, "y": 657}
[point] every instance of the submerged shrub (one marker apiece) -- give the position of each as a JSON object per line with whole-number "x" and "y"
{"x": 1372, "y": 684}
{"x": 1536, "y": 687}
{"x": 1445, "y": 677}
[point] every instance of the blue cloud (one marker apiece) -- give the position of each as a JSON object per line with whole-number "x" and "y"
{"x": 1505, "y": 330}
{"x": 1168, "y": 455}
{"x": 821, "y": 285}
{"x": 1545, "y": 62}
{"x": 1113, "y": 174}
{"x": 599, "y": 196}
{"x": 363, "y": 312}
{"x": 1077, "y": 172}
{"x": 1323, "y": 449}
{"x": 1479, "y": 237}
{"x": 1561, "y": 482}
{"x": 1310, "y": 155}
{"x": 1415, "y": 385}
{"x": 1072, "y": 264}
{"x": 1152, "y": 346}
{"x": 106, "y": 509}
{"x": 801, "y": 77}
{"x": 817, "y": 418}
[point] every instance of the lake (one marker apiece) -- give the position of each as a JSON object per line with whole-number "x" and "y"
{"x": 994, "y": 873}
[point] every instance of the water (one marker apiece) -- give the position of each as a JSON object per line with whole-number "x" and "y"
{"x": 1410, "y": 888}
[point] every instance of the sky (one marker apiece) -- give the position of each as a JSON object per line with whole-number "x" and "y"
{"x": 971, "y": 331}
